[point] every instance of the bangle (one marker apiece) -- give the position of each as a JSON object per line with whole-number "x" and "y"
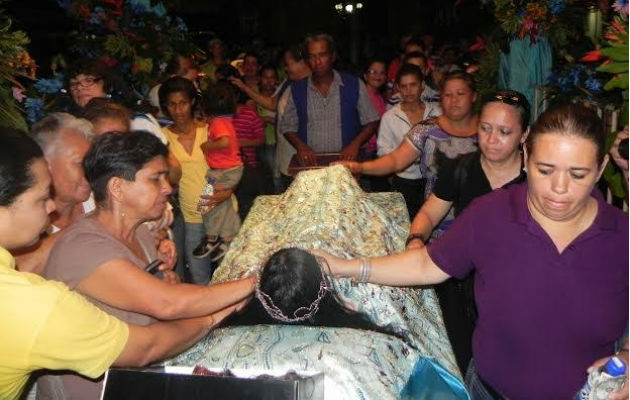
{"x": 414, "y": 236}
{"x": 365, "y": 269}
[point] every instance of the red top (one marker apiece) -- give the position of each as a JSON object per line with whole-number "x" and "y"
{"x": 228, "y": 157}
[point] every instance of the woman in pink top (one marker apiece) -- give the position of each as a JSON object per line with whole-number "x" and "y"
{"x": 375, "y": 77}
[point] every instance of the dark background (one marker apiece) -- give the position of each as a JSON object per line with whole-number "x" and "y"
{"x": 373, "y": 32}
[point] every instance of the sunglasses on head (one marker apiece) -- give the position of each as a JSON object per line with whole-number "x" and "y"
{"x": 512, "y": 100}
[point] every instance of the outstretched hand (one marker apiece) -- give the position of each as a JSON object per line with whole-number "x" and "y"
{"x": 355, "y": 167}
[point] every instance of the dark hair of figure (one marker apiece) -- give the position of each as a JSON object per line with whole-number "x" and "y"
{"x": 220, "y": 99}
{"x": 115, "y": 155}
{"x": 514, "y": 99}
{"x": 414, "y": 54}
{"x": 292, "y": 277}
{"x": 297, "y": 52}
{"x": 100, "y": 107}
{"x": 409, "y": 69}
{"x": 18, "y": 151}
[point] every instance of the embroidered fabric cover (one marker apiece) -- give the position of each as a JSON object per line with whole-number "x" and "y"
{"x": 326, "y": 209}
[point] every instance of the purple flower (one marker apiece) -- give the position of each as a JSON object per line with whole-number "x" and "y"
{"x": 34, "y": 109}
{"x": 593, "y": 85}
{"x": 621, "y": 6}
{"x": 48, "y": 86}
{"x": 563, "y": 83}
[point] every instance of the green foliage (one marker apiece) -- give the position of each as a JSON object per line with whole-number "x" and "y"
{"x": 133, "y": 37}
{"x": 15, "y": 63}
{"x": 616, "y": 51}
{"x": 486, "y": 76}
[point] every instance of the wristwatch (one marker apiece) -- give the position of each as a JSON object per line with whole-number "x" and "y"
{"x": 414, "y": 236}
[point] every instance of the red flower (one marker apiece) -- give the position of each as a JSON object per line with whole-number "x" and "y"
{"x": 618, "y": 27}
{"x": 612, "y": 37}
{"x": 592, "y": 56}
{"x": 108, "y": 61}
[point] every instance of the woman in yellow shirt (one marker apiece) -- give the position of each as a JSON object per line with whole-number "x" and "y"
{"x": 178, "y": 99}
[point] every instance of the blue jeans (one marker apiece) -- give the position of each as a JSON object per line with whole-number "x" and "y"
{"x": 200, "y": 269}
{"x": 476, "y": 387}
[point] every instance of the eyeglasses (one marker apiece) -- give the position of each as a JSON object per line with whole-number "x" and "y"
{"x": 86, "y": 83}
{"x": 375, "y": 72}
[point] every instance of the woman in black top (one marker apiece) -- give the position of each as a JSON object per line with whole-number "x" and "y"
{"x": 503, "y": 127}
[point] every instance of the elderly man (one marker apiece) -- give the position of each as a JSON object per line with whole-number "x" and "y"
{"x": 64, "y": 140}
{"x": 328, "y": 111}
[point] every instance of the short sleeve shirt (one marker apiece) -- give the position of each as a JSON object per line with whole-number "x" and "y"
{"x": 84, "y": 247}
{"x": 228, "y": 157}
{"x": 462, "y": 180}
{"x": 544, "y": 316}
{"x": 435, "y": 147}
{"x": 45, "y": 325}
{"x": 194, "y": 169}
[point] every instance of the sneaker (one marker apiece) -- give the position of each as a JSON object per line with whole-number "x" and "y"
{"x": 205, "y": 247}
{"x": 216, "y": 254}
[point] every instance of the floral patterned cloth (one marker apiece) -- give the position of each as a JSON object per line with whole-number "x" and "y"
{"x": 326, "y": 209}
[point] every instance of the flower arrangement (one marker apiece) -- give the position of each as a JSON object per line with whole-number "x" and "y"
{"x": 134, "y": 37}
{"x": 612, "y": 59}
{"x": 15, "y": 64}
{"x": 555, "y": 19}
{"x": 44, "y": 95}
{"x": 528, "y": 18}
{"x": 575, "y": 80}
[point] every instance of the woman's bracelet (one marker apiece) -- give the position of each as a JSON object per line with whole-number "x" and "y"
{"x": 414, "y": 236}
{"x": 365, "y": 270}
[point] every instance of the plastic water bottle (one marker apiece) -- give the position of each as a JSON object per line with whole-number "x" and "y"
{"x": 208, "y": 190}
{"x": 603, "y": 381}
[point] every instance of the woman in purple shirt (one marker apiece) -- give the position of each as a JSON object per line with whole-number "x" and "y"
{"x": 551, "y": 265}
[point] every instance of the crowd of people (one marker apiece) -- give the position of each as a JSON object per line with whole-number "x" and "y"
{"x": 529, "y": 262}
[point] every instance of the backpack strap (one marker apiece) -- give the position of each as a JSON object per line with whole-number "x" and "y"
{"x": 298, "y": 92}
{"x": 349, "y": 98}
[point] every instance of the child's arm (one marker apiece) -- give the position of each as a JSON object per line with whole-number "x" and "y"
{"x": 212, "y": 145}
